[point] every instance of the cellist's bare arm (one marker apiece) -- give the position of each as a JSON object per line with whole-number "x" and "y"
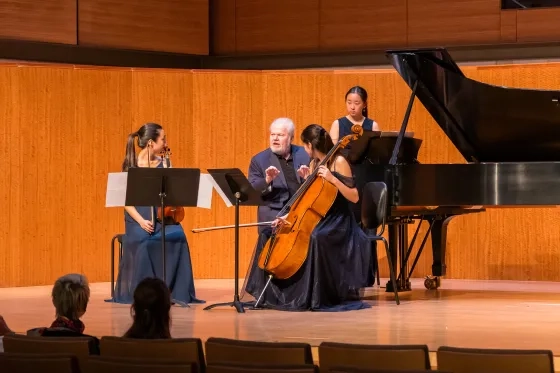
{"x": 343, "y": 168}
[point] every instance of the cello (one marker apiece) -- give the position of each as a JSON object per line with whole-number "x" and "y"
{"x": 172, "y": 214}
{"x": 287, "y": 248}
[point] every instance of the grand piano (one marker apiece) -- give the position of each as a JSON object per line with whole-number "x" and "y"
{"x": 510, "y": 139}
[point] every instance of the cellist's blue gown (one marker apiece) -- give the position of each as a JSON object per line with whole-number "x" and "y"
{"x": 336, "y": 268}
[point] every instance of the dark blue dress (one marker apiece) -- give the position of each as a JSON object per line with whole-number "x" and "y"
{"x": 361, "y": 176}
{"x": 345, "y": 129}
{"x": 337, "y": 266}
{"x": 142, "y": 257}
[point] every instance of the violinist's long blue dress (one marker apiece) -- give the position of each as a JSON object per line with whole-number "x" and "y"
{"x": 336, "y": 268}
{"x": 142, "y": 257}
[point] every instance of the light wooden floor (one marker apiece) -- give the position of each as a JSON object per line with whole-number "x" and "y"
{"x": 484, "y": 314}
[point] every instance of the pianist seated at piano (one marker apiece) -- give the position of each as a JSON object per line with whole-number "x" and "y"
{"x": 339, "y": 254}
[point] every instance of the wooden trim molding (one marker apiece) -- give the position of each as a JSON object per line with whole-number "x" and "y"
{"x": 80, "y": 55}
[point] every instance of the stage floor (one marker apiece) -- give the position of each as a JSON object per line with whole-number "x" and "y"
{"x": 483, "y": 314}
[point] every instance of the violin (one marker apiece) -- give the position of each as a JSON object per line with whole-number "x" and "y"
{"x": 172, "y": 215}
{"x": 287, "y": 248}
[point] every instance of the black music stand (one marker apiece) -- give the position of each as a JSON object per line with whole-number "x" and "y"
{"x": 162, "y": 187}
{"x": 359, "y": 147}
{"x": 239, "y": 192}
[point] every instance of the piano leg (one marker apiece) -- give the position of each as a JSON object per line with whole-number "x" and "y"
{"x": 439, "y": 247}
{"x": 400, "y": 250}
{"x": 398, "y": 244}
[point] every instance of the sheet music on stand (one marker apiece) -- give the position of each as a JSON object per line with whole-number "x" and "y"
{"x": 117, "y": 182}
{"x": 221, "y": 193}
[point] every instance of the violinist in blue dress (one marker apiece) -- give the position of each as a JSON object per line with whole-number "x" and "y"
{"x": 142, "y": 256}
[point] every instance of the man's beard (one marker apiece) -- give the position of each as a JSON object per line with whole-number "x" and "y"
{"x": 281, "y": 150}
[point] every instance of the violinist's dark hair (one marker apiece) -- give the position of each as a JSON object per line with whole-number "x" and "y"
{"x": 150, "y": 311}
{"x": 149, "y": 131}
{"x": 363, "y": 95}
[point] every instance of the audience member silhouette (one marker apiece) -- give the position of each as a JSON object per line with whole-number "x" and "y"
{"x": 150, "y": 311}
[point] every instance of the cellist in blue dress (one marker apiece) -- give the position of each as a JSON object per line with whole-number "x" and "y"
{"x": 142, "y": 256}
{"x": 339, "y": 255}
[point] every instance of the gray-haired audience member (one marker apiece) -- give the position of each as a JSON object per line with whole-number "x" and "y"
{"x": 70, "y": 298}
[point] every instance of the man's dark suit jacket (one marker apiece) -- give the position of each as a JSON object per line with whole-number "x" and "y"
{"x": 276, "y": 194}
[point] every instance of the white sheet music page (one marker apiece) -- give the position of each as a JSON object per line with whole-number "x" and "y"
{"x": 220, "y": 191}
{"x": 205, "y": 187}
{"x": 116, "y": 189}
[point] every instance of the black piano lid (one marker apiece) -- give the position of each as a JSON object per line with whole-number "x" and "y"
{"x": 486, "y": 123}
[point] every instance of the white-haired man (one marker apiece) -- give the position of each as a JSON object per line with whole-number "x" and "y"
{"x": 278, "y": 171}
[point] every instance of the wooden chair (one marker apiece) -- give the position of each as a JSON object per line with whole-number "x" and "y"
{"x": 23, "y": 344}
{"x": 260, "y": 368}
{"x": 333, "y": 354}
{"x": 97, "y": 364}
{"x": 36, "y": 362}
{"x": 182, "y": 350}
{"x": 360, "y": 370}
{"x": 474, "y": 360}
{"x": 223, "y": 350}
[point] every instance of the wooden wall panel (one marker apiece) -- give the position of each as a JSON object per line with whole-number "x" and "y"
{"x": 179, "y": 26}
{"x": 51, "y": 21}
{"x": 95, "y": 131}
{"x": 222, "y": 27}
{"x": 508, "y": 26}
{"x": 267, "y": 26}
{"x": 228, "y": 129}
{"x": 251, "y": 26}
{"x": 64, "y": 126}
{"x": 364, "y": 24}
{"x": 442, "y": 22}
{"x": 538, "y": 25}
{"x": 67, "y": 128}
{"x": 270, "y": 25}
{"x": 300, "y": 96}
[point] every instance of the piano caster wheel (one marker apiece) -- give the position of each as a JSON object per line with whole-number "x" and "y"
{"x": 432, "y": 283}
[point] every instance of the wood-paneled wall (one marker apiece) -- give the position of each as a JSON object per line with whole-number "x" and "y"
{"x": 63, "y": 129}
{"x": 268, "y": 26}
{"x": 52, "y": 21}
{"x": 177, "y": 26}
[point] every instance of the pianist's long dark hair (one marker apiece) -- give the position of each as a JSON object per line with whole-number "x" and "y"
{"x": 363, "y": 95}
{"x": 149, "y": 131}
{"x": 319, "y": 139}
